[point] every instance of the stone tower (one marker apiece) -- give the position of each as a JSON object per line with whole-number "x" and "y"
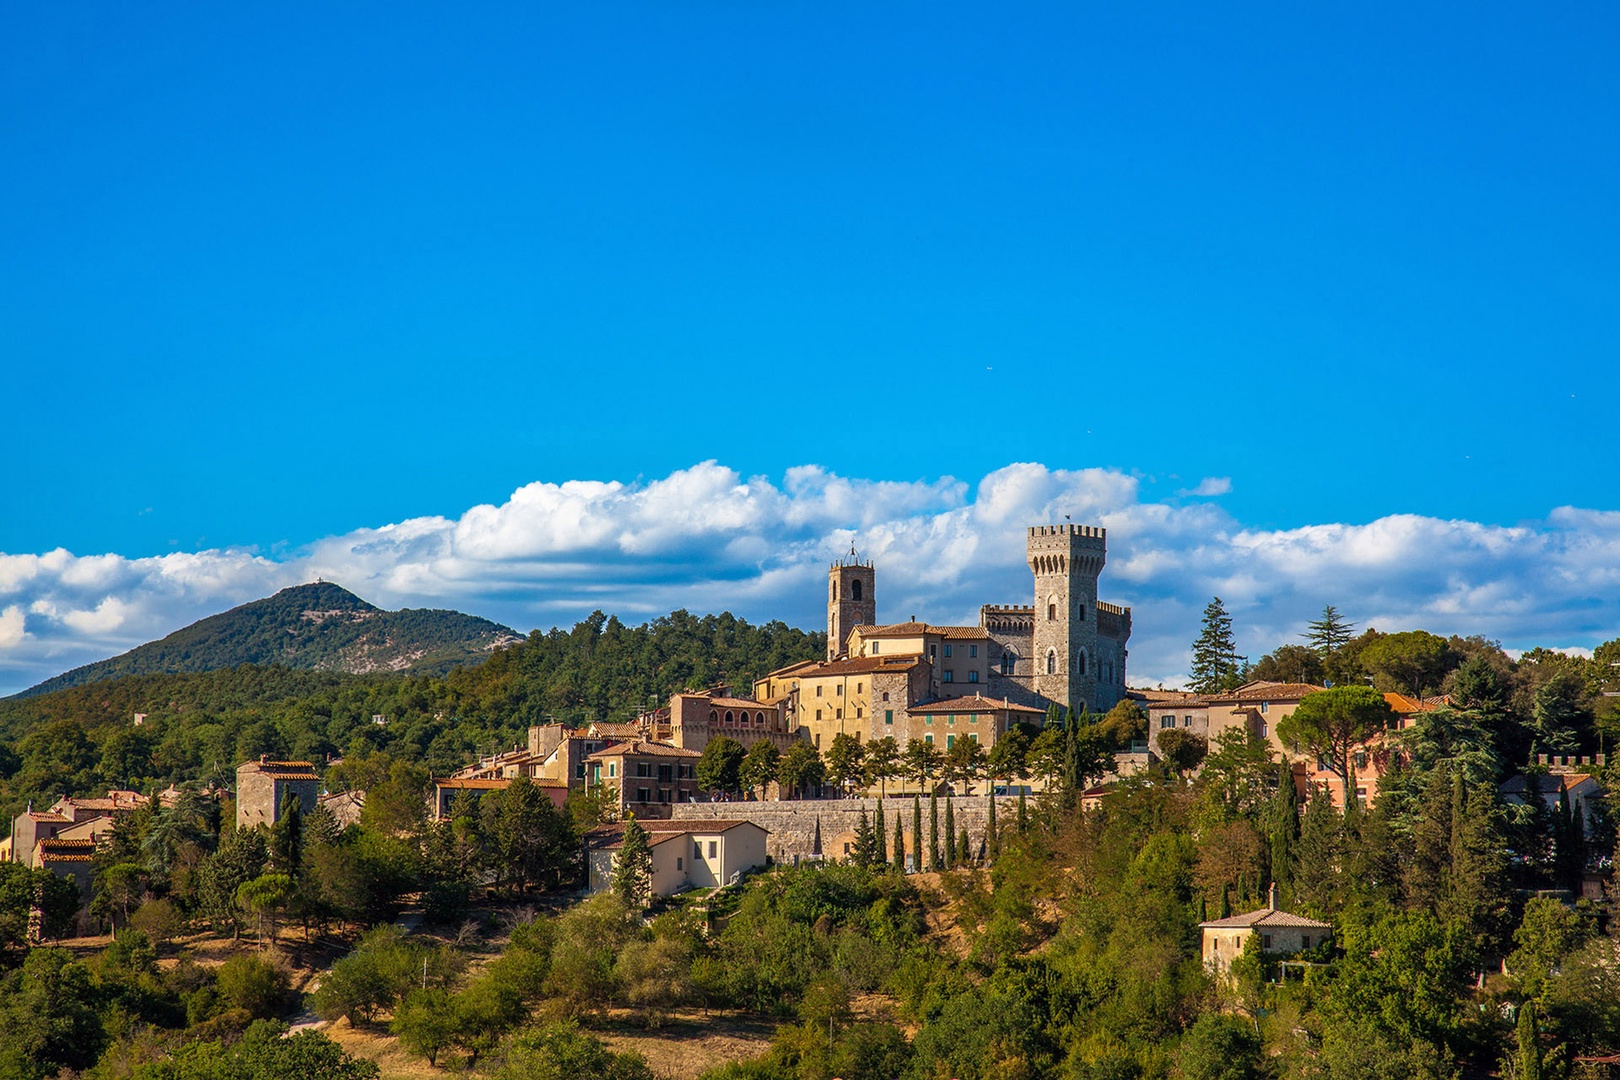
{"x": 1066, "y": 561}
{"x": 850, "y": 603}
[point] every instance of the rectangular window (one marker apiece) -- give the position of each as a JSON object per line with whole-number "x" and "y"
{"x": 951, "y": 720}
{"x": 818, "y": 740}
{"x": 1265, "y": 941}
{"x": 947, "y": 649}
{"x": 1305, "y": 941}
{"x": 950, "y": 676}
{"x": 579, "y": 771}
{"x": 643, "y": 768}
{"x": 680, "y": 864}
{"x": 840, "y": 689}
{"x": 974, "y": 735}
{"x": 1166, "y": 722}
{"x": 838, "y": 714}
{"x": 859, "y": 712}
{"x": 858, "y": 687}
{"x": 613, "y": 769}
{"x": 929, "y": 720}
{"x": 875, "y": 645}
{"x": 666, "y": 773}
{"x": 714, "y": 848}
{"x": 973, "y": 676}
{"x": 950, "y": 741}
{"x": 973, "y": 718}
{"x": 818, "y": 714}
{"x": 973, "y": 650}
{"x": 1262, "y": 729}
{"x": 1186, "y": 721}
{"x": 929, "y": 739}
{"x": 697, "y": 849}
{"x": 641, "y": 794}
{"x": 1264, "y": 705}
{"x": 888, "y": 716}
{"x": 818, "y": 690}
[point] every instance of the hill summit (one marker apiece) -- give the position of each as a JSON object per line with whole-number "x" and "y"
{"x": 319, "y": 627}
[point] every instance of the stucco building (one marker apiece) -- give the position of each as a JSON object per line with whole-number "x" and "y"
{"x": 685, "y": 854}
{"x": 1281, "y": 933}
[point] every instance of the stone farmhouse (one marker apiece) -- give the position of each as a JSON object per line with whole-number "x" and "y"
{"x": 264, "y": 788}
{"x": 1281, "y": 933}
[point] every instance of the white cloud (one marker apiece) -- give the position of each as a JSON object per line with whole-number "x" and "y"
{"x": 1209, "y": 487}
{"x": 708, "y": 539}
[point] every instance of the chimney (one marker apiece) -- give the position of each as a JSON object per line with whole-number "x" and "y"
{"x": 264, "y": 759}
{"x": 1271, "y": 897}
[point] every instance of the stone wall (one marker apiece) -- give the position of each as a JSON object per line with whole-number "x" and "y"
{"x": 792, "y": 823}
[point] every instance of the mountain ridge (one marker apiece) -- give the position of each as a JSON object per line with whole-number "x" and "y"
{"x": 318, "y": 626}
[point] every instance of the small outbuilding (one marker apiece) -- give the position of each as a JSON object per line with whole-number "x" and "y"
{"x": 685, "y": 854}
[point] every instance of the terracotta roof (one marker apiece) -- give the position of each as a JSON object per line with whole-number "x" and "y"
{"x": 1266, "y": 691}
{"x": 916, "y": 629}
{"x": 284, "y": 770}
{"x": 1191, "y": 701}
{"x": 66, "y": 850}
{"x": 48, "y": 816}
{"x": 975, "y": 703}
{"x": 737, "y": 703}
{"x": 112, "y": 801}
{"x": 644, "y": 748}
{"x": 862, "y": 665}
{"x": 1401, "y": 703}
{"x": 611, "y": 730}
{"x": 1156, "y": 697}
{"x": 608, "y": 837}
{"x": 1266, "y": 917}
{"x": 491, "y": 783}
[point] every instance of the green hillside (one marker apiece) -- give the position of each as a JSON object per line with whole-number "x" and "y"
{"x": 318, "y": 627}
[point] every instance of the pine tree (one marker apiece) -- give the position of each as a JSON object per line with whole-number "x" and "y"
{"x": 1330, "y": 633}
{"x": 882, "y": 836}
{"x": 1216, "y": 665}
{"x": 899, "y": 848}
{"x": 1528, "y": 1050}
{"x": 933, "y": 833}
{"x": 992, "y": 841}
{"x": 632, "y": 871}
{"x": 952, "y": 855}
{"x": 865, "y": 849}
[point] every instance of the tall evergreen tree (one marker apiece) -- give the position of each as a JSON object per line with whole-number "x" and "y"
{"x": 1329, "y": 633}
{"x": 1316, "y": 856}
{"x": 632, "y": 871}
{"x": 952, "y": 856}
{"x": 1216, "y": 665}
{"x": 916, "y": 831}
{"x": 815, "y": 845}
{"x": 992, "y": 840}
{"x": 933, "y": 832}
{"x": 882, "y": 835}
{"x": 964, "y": 851}
{"x": 1023, "y": 814}
{"x": 899, "y": 847}
{"x": 865, "y": 849}
{"x": 1283, "y": 828}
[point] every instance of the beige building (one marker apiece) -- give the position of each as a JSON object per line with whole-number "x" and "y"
{"x": 1281, "y": 933}
{"x": 685, "y": 854}
{"x": 265, "y": 787}
{"x": 694, "y": 719}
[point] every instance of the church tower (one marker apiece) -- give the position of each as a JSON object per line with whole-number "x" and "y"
{"x": 850, "y": 601}
{"x": 1066, "y": 561}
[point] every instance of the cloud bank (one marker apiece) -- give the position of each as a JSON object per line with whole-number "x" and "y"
{"x": 709, "y": 539}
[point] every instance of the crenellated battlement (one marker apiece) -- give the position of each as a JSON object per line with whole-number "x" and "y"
{"x": 1084, "y": 532}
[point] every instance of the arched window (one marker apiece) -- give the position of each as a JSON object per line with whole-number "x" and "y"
{"x": 713, "y": 716}
{"x": 728, "y": 716}
{"x": 855, "y": 589}
{"x": 1080, "y": 613}
{"x": 885, "y": 695}
{"x": 1051, "y": 662}
{"x": 1080, "y": 662}
{"x": 1051, "y": 612}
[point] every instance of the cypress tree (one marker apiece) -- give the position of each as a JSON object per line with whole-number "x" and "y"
{"x": 882, "y": 836}
{"x": 899, "y": 848}
{"x": 1023, "y": 814}
{"x": 865, "y": 843}
{"x": 632, "y": 871}
{"x": 952, "y": 854}
{"x": 933, "y": 832}
{"x": 1316, "y": 856}
{"x": 992, "y": 842}
{"x": 963, "y": 851}
{"x": 916, "y": 831}
{"x": 1529, "y": 1048}
{"x": 1284, "y": 828}
{"x": 1226, "y": 901}
{"x": 815, "y": 847}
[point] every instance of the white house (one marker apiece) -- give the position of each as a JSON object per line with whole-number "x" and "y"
{"x": 685, "y": 854}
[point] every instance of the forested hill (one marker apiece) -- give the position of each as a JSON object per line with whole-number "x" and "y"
{"x": 201, "y": 725}
{"x": 318, "y": 627}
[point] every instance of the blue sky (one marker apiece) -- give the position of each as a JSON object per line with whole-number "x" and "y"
{"x": 269, "y": 278}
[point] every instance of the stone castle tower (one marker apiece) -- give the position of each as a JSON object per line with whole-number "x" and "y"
{"x": 850, "y": 602}
{"x": 1066, "y": 560}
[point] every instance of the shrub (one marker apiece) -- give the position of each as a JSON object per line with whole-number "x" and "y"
{"x": 256, "y": 986}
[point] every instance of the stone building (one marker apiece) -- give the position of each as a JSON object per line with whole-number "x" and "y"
{"x": 648, "y": 777}
{"x": 265, "y": 787}
{"x": 1281, "y": 933}
{"x": 685, "y": 854}
{"x": 1065, "y": 649}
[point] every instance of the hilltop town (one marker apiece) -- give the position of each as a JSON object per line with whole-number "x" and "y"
{"x": 920, "y": 848}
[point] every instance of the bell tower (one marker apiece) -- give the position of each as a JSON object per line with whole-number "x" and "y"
{"x": 850, "y": 601}
{"x": 1066, "y": 561}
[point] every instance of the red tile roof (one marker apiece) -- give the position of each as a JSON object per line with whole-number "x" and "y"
{"x": 640, "y": 747}
{"x": 1266, "y": 917}
{"x": 976, "y": 703}
{"x": 1266, "y": 691}
{"x": 917, "y": 629}
{"x": 861, "y": 665}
